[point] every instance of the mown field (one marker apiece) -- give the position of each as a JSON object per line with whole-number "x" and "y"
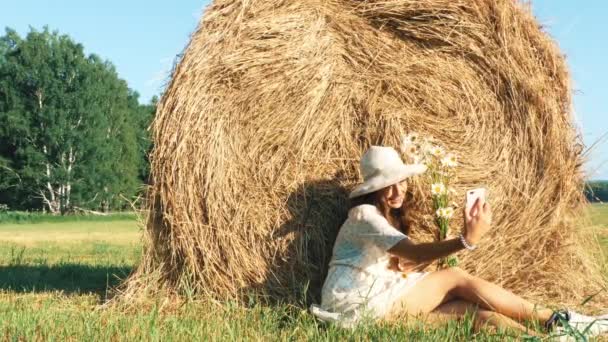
{"x": 54, "y": 276}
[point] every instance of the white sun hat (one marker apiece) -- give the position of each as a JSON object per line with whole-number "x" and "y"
{"x": 382, "y": 166}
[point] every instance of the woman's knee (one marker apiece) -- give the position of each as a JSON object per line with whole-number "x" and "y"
{"x": 459, "y": 271}
{"x": 457, "y": 274}
{"x": 454, "y": 271}
{"x": 459, "y": 279}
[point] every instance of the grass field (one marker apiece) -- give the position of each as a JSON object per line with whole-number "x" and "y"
{"x": 54, "y": 276}
{"x": 599, "y": 215}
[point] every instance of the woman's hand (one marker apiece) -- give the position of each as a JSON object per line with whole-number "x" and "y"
{"x": 405, "y": 266}
{"x": 393, "y": 264}
{"x": 477, "y": 221}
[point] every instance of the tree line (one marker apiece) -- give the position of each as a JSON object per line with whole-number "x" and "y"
{"x": 73, "y": 135}
{"x": 597, "y": 191}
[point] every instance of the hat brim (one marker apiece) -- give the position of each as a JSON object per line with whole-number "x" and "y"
{"x": 387, "y": 178}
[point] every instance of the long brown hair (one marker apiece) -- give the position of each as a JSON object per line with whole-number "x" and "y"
{"x": 398, "y": 218}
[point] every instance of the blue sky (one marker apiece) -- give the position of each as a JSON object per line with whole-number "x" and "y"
{"x": 142, "y": 39}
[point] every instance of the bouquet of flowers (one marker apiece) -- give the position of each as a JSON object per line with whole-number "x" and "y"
{"x": 440, "y": 172}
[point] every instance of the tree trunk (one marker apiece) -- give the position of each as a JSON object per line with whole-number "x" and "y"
{"x": 51, "y": 201}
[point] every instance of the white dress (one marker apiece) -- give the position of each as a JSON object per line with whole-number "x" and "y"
{"x": 359, "y": 283}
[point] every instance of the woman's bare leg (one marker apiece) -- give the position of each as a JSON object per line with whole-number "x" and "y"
{"x": 457, "y": 309}
{"x": 493, "y": 297}
{"x": 441, "y": 286}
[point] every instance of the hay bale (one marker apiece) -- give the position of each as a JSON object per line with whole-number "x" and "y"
{"x": 258, "y": 136}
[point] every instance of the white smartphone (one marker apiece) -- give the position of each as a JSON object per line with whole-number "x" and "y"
{"x": 473, "y": 195}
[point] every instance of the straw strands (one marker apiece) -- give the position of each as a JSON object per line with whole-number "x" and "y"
{"x": 259, "y": 133}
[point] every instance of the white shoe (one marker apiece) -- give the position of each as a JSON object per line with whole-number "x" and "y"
{"x": 589, "y": 326}
{"x": 561, "y": 335}
{"x": 322, "y": 314}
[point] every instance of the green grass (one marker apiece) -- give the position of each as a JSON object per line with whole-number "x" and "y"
{"x": 64, "y": 317}
{"x": 54, "y": 276}
{"x": 38, "y": 217}
{"x": 599, "y": 216}
{"x": 73, "y": 257}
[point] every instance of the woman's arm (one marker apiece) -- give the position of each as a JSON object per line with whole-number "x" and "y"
{"x": 477, "y": 223}
{"x": 423, "y": 252}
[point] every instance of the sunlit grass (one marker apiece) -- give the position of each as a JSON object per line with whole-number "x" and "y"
{"x": 599, "y": 217}
{"x": 119, "y": 232}
{"x": 54, "y": 276}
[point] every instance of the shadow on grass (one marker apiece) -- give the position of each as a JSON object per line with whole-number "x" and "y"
{"x": 69, "y": 278}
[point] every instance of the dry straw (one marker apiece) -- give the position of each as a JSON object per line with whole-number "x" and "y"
{"x": 258, "y": 136}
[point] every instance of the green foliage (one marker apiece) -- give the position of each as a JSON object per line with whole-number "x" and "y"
{"x": 597, "y": 191}
{"x": 144, "y": 118}
{"x": 72, "y": 131}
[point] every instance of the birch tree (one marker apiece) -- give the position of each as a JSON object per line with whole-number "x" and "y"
{"x": 68, "y": 125}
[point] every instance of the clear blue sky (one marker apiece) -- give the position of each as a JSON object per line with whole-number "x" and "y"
{"x": 142, "y": 39}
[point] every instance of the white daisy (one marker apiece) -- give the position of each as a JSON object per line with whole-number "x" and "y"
{"x": 449, "y": 161}
{"x": 412, "y": 150}
{"x": 437, "y": 188}
{"x": 413, "y": 137}
{"x": 440, "y": 212}
{"x": 448, "y": 212}
{"x": 437, "y": 151}
{"x": 427, "y": 148}
{"x": 409, "y": 140}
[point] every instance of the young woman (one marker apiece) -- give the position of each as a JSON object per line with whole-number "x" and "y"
{"x": 372, "y": 251}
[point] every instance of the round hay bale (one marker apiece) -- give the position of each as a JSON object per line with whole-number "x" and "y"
{"x": 259, "y": 133}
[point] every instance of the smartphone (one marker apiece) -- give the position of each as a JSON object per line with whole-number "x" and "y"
{"x": 473, "y": 195}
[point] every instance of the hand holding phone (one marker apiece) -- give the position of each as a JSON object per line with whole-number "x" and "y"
{"x": 478, "y": 215}
{"x": 472, "y": 196}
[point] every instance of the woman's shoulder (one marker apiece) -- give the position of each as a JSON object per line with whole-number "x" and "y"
{"x": 364, "y": 212}
{"x": 367, "y": 219}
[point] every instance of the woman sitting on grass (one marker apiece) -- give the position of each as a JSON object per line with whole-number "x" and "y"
{"x": 364, "y": 279}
